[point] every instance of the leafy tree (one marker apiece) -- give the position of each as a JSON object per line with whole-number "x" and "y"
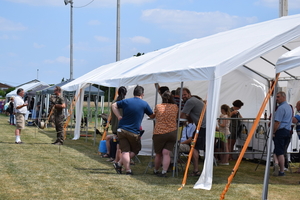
{"x": 139, "y": 54}
{"x": 2, "y": 93}
{"x": 9, "y": 90}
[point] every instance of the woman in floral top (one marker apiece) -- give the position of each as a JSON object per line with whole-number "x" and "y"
{"x": 165, "y": 132}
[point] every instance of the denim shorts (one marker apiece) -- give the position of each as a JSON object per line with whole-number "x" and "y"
{"x": 281, "y": 140}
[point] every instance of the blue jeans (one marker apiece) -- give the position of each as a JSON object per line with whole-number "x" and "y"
{"x": 11, "y": 119}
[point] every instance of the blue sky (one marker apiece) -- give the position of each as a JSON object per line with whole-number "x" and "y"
{"x": 35, "y": 34}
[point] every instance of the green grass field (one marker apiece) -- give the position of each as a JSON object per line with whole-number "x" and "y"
{"x": 39, "y": 170}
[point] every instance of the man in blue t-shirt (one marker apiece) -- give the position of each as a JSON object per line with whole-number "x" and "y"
{"x": 129, "y": 126}
{"x": 281, "y": 133}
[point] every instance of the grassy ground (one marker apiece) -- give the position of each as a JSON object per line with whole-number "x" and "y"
{"x": 39, "y": 170}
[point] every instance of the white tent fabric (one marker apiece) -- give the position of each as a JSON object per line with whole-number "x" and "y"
{"x": 290, "y": 61}
{"x": 26, "y": 87}
{"x": 206, "y": 59}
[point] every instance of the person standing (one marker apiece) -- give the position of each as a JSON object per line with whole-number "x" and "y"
{"x": 112, "y": 142}
{"x": 165, "y": 132}
{"x": 129, "y": 127}
{"x": 224, "y": 128}
{"x": 235, "y": 125}
{"x": 20, "y": 111}
{"x": 281, "y": 132}
{"x": 59, "y": 104}
{"x": 193, "y": 107}
{"x": 11, "y": 111}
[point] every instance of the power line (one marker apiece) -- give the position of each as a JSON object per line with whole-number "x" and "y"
{"x": 84, "y": 5}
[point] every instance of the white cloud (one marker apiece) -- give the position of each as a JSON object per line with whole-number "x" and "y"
{"x": 60, "y": 59}
{"x": 38, "y": 46}
{"x": 9, "y": 37}
{"x": 195, "y": 24}
{"x": 7, "y": 25}
{"x": 94, "y": 22}
{"x": 140, "y": 39}
{"x": 292, "y": 4}
{"x": 101, "y": 38}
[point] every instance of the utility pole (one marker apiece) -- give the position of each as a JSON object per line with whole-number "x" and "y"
{"x": 118, "y": 32}
{"x": 283, "y": 8}
{"x": 71, "y": 36}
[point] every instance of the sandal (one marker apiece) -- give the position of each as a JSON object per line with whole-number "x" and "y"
{"x": 197, "y": 173}
{"x": 110, "y": 160}
{"x": 105, "y": 156}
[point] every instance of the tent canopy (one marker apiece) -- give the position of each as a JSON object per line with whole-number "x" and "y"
{"x": 27, "y": 87}
{"x": 204, "y": 58}
{"x": 255, "y": 47}
{"x": 92, "y": 91}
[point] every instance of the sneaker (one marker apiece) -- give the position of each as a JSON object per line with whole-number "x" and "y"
{"x": 118, "y": 168}
{"x": 156, "y": 173}
{"x": 162, "y": 175}
{"x": 57, "y": 143}
{"x": 276, "y": 170}
{"x": 20, "y": 142}
{"x": 281, "y": 174}
{"x": 224, "y": 163}
{"x": 129, "y": 173}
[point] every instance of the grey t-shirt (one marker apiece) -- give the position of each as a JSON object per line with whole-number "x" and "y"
{"x": 193, "y": 107}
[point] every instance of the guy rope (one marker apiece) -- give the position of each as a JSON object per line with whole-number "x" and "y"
{"x": 70, "y": 113}
{"x": 193, "y": 143}
{"x": 237, "y": 164}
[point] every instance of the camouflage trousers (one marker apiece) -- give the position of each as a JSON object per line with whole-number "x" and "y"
{"x": 59, "y": 124}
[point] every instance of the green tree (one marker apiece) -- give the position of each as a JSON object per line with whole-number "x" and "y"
{"x": 9, "y": 90}
{"x": 2, "y": 93}
{"x": 139, "y": 54}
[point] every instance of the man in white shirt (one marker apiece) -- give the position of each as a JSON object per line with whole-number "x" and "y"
{"x": 20, "y": 111}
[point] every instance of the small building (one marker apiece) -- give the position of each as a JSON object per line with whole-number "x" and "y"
{"x": 4, "y": 86}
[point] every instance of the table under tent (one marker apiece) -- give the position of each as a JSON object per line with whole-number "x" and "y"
{"x": 233, "y": 64}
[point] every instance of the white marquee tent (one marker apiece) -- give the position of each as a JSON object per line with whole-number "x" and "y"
{"x": 252, "y": 49}
{"x": 26, "y": 87}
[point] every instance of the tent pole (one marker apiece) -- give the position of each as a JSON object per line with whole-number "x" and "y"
{"x": 253, "y": 128}
{"x": 152, "y": 150}
{"x": 269, "y": 149}
{"x": 74, "y": 101}
{"x": 88, "y": 114}
{"x": 178, "y": 124}
{"x": 96, "y": 113}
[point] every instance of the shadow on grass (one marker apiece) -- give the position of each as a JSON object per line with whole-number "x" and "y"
{"x": 85, "y": 145}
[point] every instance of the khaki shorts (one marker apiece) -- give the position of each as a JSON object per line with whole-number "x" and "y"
{"x": 129, "y": 142}
{"x": 164, "y": 141}
{"x": 20, "y": 121}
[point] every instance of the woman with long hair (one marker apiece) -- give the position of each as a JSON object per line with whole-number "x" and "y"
{"x": 112, "y": 140}
{"x": 165, "y": 132}
{"x": 235, "y": 124}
